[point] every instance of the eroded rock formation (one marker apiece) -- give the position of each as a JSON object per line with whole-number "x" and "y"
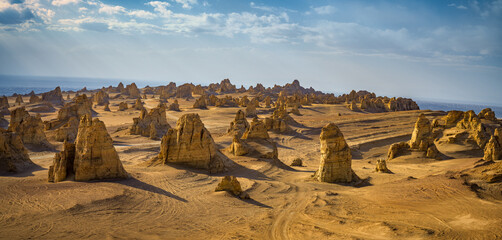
{"x": 123, "y": 106}
{"x": 232, "y": 185}
{"x": 240, "y": 124}
{"x": 101, "y": 98}
{"x": 200, "y": 103}
{"x": 237, "y": 147}
{"x": 257, "y": 129}
{"x": 151, "y": 124}
{"x": 92, "y": 157}
{"x": 174, "y": 106}
{"x": 29, "y": 128}
{"x": 55, "y": 96}
{"x": 381, "y": 166}
{"x": 336, "y": 159}
{"x": 138, "y": 105}
{"x": 13, "y": 156}
{"x": 191, "y": 144}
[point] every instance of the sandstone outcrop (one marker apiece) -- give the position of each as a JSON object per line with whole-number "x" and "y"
{"x": 279, "y": 121}
{"x": 476, "y": 129}
{"x": 251, "y": 110}
{"x": 13, "y": 156}
{"x": 239, "y": 125}
{"x": 422, "y": 137}
{"x": 80, "y": 106}
{"x": 238, "y": 148}
{"x": 184, "y": 91}
{"x": 487, "y": 114}
{"x": 232, "y": 185}
{"x": 29, "y": 128}
{"x": 151, "y": 124}
{"x": 493, "y": 149}
{"x": 107, "y": 107}
{"x": 19, "y": 100}
{"x": 397, "y": 149}
{"x": 191, "y": 144}
{"x": 92, "y": 157}
{"x": 381, "y": 166}
{"x": 3, "y": 122}
{"x": 55, "y": 96}
{"x": 68, "y": 132}
{"x": 123, "y": 106}
{"x": 138, "y": 105}
{"x": 174, "y": 106}
{"x": 4, "y": 105}
{"x": 132, "y": 91}
{"x": 257, "y": 129}
{"x": 336, "y": 158}
{"x": 200, "y": 103}
{"x": 101, "y": 98}
{"x": 297, "y": 162}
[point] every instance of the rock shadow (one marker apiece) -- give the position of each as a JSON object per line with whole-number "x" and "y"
{"x": 136, "y": 183}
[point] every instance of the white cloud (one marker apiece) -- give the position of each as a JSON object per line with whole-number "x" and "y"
{"x": 160, "y": 7}
{"x": 83, "y": 9}
{"x": 109, "y": 9}
{"x": 324, "y": 10}
{"x": 64, "y": 2}
{"x": 141, "y": 14}
{"x": 462, "y": 7}
{"x": 186, "y": 4}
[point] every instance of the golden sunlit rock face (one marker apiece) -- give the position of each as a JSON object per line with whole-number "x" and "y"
{"x": 336, "y": 159}
{"x": 191, "y": 144}
{"x": 92, "y": 157}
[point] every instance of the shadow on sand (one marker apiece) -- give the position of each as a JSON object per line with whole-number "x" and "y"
{"x": 135, "y": 183}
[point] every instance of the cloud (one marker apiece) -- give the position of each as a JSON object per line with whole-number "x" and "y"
{"x": 324, "y": 10}
{"x": 186, "y": 4}
{"x": 14, "y": 16}
{"x": 160, "y": 7}
{"x": 64, "y": 2}
{"x": 141, "y": 14}
{"x": 111, "y": 10}
{"x": 261, "y": 7}
{"x": 457, "y": 6}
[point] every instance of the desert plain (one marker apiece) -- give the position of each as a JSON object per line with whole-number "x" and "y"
{"x": 444, "y": 197}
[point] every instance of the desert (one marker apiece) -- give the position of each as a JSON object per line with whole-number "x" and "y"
{"x": 251, "y": 120}
{"x": 362, "y": 174}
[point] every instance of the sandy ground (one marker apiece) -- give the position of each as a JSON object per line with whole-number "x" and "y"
{"x": 416, "y": 201}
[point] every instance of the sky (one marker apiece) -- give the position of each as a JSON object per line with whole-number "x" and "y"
{"x": 433, "y": 50}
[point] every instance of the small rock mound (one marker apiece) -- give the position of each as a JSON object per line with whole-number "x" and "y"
{"x": 13, "y": 156}
{"x": 152, "y": 124}
{"x": 123, "y": 106}
{"x": 381, "y": 166}
{"x": 257, "y": 129}
{"x": 138, "y": 105}
{"x": 191, "y": 144}
{"x": 92, "y": 157}
{"x": 239, "y": 125}
{"x": 174, "y": 106}
{"x": 336, "y": 158}
{"x": 232, "y": 185}
{"x": 107, "y": 107}
{"x": 238, "y": 148}
{"x": 422, "y": 138}
{"x": 397, "y": 149}
{"x": 200, "y": 103}
{"x": 19, "y": 100}
{"x": 297, "y": 162}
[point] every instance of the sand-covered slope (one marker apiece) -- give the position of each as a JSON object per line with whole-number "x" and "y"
{"x": 421, "y": 199}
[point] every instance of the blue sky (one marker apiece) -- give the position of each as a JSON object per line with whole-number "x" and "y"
{"x": 444, "y": 50}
